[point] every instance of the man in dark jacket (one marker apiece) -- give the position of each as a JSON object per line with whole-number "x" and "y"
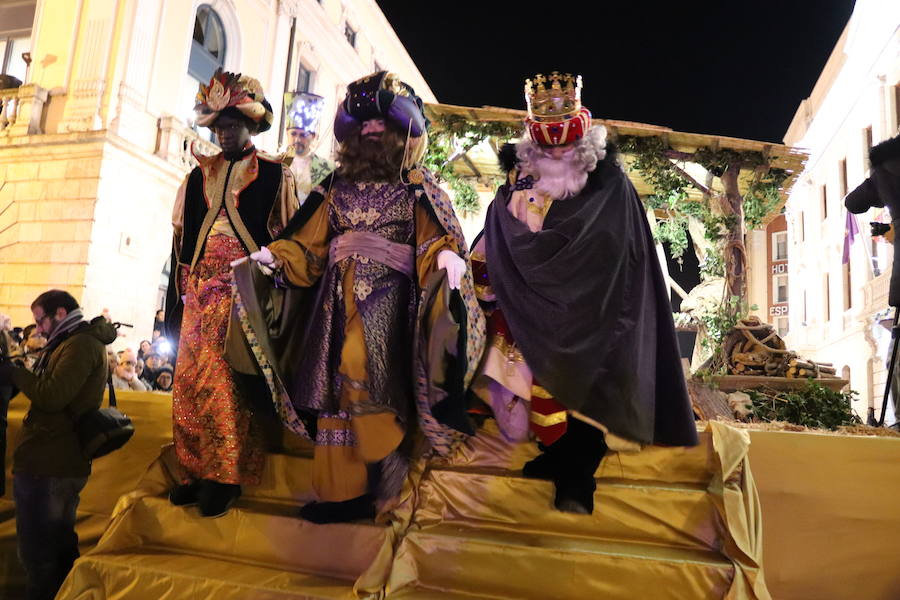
{"x": 49, "y": 470}
{"x": 882, "y": 188}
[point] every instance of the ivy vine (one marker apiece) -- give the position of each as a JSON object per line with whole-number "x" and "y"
{"x": 650, "y": 156}
{"x": 454, "y": 134}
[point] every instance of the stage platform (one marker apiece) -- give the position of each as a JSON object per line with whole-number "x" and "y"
{"x": 669, "y": 523}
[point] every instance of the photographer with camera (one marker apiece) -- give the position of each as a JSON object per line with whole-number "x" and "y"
{"x": 49, "y": 466}
{"x": 882, "y": 188}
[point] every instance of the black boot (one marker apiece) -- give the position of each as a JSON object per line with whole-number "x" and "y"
{"x": 355, "y": 509}
{"x": 185, "y": 494}
{"x": 543, "y": 466}
{"x": 578, "y": 455}
{"x": 215, "y": 499}
{"x": 575, "y": 496}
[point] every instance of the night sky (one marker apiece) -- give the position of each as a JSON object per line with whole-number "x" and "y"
{"x": 722, "y": 67}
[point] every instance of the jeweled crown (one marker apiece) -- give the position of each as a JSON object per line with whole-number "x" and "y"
{"x": 554, "y": 97}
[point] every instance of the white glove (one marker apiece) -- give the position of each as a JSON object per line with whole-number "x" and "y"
{"x": 263, "y": 256}
{"x": 456, "y": 267}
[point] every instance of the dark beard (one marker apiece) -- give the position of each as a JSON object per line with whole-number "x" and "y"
{"x": 376, "y": 159}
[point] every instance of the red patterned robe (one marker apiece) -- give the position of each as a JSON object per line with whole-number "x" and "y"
{"x": 224, "y": 211}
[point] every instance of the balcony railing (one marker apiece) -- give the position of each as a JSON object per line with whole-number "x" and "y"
{"x": 175, "y": 141}
{"x": 9, "y": 107}
{"x": 875, "y": 292}
{"x": 21, "y": 110}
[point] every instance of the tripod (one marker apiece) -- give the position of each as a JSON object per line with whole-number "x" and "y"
{"x": 895, "y": 333}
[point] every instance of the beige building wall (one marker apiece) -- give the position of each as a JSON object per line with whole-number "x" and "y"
{"x": 97, "y": 140}
{"x": 854, "y": 104}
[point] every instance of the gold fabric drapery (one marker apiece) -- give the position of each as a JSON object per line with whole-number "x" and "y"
{"x": 829, "y": 528}
{"x": 111, "y": 476}
{"x": 469, "y": 524}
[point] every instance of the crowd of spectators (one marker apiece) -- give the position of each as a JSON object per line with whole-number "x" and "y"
{"x": 150, "y": 368}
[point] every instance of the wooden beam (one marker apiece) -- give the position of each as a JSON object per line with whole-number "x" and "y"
{"x": 471, "y": 165}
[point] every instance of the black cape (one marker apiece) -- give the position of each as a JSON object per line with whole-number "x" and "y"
{"x": 586, "y": 302}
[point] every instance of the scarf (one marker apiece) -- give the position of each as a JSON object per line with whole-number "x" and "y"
{"x": 72, "y": 321}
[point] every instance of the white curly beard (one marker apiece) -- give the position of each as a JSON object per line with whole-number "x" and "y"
{"x": 564, "y": 177}
{"x": 559, "y": 178}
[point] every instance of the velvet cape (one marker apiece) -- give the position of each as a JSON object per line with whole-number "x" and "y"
{"x": 587, "y": 304}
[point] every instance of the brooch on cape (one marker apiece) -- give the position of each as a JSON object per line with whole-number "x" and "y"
{"x": 415, "y": 176}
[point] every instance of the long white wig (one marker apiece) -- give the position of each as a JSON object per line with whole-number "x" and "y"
{"x": 562, "y": 178}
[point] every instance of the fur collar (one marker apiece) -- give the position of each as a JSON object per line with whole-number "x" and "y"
{"x": 885, "y": 151}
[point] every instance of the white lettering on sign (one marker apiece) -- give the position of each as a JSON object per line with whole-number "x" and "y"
{"x": 779, "y": 269}
{"x": 778, "y": 311}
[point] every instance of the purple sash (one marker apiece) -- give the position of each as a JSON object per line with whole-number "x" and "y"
{"x": 400, "y": 257}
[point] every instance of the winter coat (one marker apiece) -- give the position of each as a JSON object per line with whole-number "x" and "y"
{"x": 71, "y": 383}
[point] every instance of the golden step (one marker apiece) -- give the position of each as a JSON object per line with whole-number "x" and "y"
{"x": 509, "y": 564}
{"x": 152, "y": 574}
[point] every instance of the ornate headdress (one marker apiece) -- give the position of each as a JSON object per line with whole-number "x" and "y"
{"x": 380, "y": 95}
{"x": 233, "y": 90}
{"x": 303, "y": 110}
{"x": 555, "y": 115}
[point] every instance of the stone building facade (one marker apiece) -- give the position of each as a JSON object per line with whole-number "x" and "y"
{"x": 95, "y": 143}
{"x": 835, "y": 308}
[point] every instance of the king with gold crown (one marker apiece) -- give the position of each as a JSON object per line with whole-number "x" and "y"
{"x": 581, "y": 345}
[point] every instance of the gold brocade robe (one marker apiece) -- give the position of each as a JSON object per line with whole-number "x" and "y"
{"x": 224, "y": 210}
{"x": 356, "y": 365}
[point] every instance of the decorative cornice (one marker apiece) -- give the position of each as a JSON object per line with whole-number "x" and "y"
{"x": 290, "y": 8}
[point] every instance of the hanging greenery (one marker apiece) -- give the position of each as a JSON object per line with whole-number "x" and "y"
{"x": 453, "y": 135}
{"x": 657, "y": 163}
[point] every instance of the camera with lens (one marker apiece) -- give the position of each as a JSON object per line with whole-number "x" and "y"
{"x": 879, "y": 228}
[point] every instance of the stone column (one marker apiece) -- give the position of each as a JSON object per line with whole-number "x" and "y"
{"x": 31, "y": 99}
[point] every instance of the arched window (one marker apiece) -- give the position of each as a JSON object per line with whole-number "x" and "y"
{"x": 208, "y": 46}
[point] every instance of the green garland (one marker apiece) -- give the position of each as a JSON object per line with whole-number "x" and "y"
{"x": 450, "y": 133}
{"x": 650, "y": 157}
{"x": 813, "y": 406}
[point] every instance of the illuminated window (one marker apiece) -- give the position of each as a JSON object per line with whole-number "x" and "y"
{"x": 11, "y": 60}
{"x": 350, "y": 34}
{"x": 779, "y": 246}
{"x": 208, "y": 46}
{"x": 781, "y": 326}
{"x": 779, "y": 289}
{"x": 805, "y": 319}
{"x": 896, "y": 106}
{"x": 867, "y": 146}
{"x": 848, "y": 291}
{"x": 304, "y": 79}
{"x": 842, "y": 178}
